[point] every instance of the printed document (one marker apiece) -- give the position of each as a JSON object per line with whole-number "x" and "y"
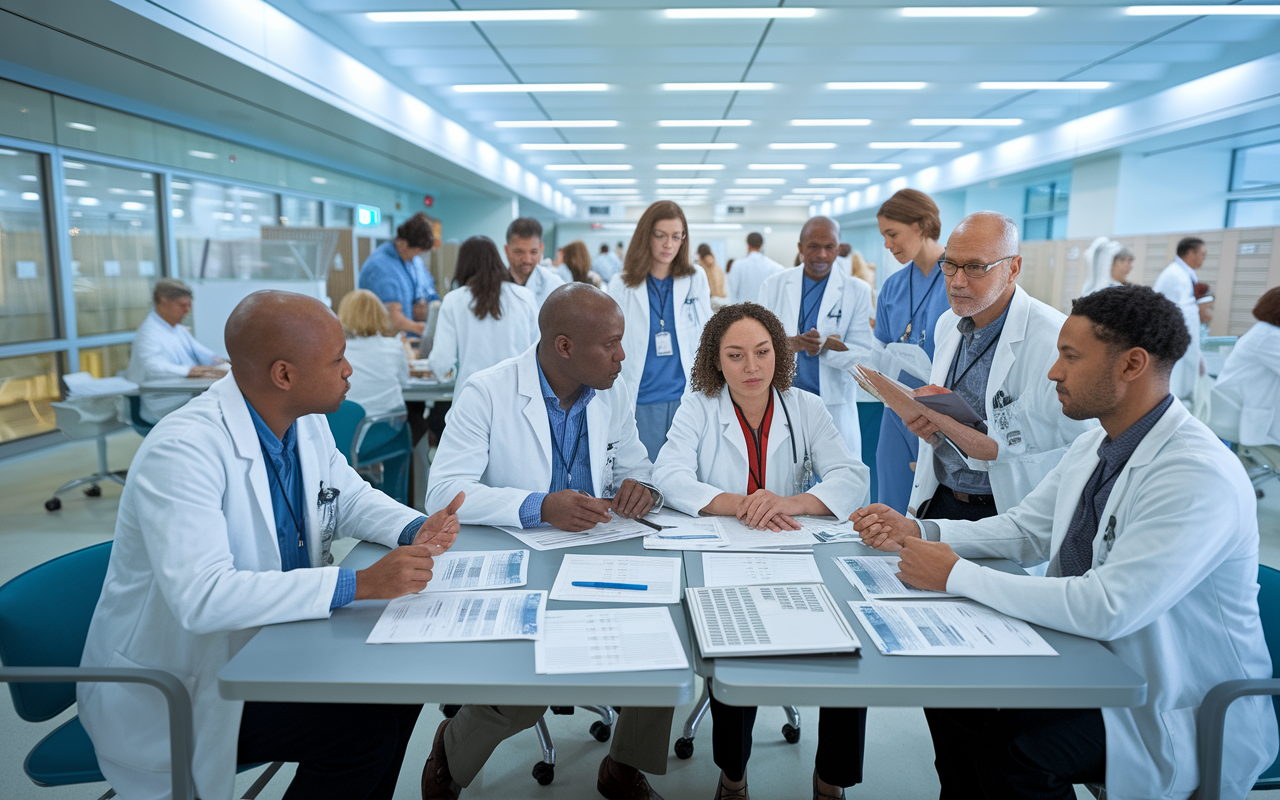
{"x": 769, "y": 620}
{"x": 479, "y": 569}
{"x": 682, "y": 532}
{"x": 461, "y": 617}
{"x": 749, "y": 569}
{"x": 877, "y": 578}
{"x": 963, "y": 628}
{"x": 545, "y": 537}
{"x": 660, "y": 576}
{"x": 608, "y": 640}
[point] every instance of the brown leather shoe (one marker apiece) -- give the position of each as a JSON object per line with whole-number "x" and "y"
{"x": 618, "y": 781}
{"x": 819, "y": 794}
{"x": 437, "y": 783}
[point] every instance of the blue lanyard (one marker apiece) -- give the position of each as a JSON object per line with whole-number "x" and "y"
{"x": 911, "y": 297}
{"x": 293, "y": 516}
{"x": 559, "y": 447}
{"x": 662, "y": 299}
{"x": 804, "y": 313}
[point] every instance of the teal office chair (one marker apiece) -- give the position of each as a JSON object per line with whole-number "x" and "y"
{"x": 1212, "y": 717}
{"x": 366, "y": 441}
{"x": 44, "y": 620}
{"x": 135, "y": 416}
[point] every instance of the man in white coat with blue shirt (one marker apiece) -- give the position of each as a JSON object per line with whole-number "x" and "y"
{"x": 164, "y": 349}
{"x": 1149, "y": 527}
{"x": 225, "y": 525}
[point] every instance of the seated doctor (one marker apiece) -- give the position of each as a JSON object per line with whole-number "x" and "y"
{"x": 217, "y": 536}
{"x": 1246, "y": 398}
{"x": 1150, "y": 529}
{"x": 549, "y": 437}
{"x": 163, "y": 348}
{"x": 727, "y": 454}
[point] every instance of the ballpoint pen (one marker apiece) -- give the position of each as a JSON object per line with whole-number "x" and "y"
{"x": 642, "y": 587}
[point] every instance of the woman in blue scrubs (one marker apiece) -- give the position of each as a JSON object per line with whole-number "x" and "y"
{"x": 910, "y": 302}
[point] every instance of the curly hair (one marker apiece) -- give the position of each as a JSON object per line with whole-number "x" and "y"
{"x": 1136, "y": 316}
{"x": 706, "y": 376}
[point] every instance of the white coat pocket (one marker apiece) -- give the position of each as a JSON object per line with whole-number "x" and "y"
{"x": 1180, "y": 726}
{"x": 1008, "y": 423}
{"x": 144, "y": 743}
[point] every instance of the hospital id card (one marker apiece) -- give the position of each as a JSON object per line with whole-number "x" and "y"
{"x": 662, "y": 343}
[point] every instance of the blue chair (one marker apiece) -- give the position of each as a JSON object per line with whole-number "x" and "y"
{"x": 1212, "y": 717}
{"x": 135, "y": 416}
{"x": 382, "y": 439}
{"x": 44, "y": 620}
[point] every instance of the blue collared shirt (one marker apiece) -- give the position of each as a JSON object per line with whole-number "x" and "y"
{"x": 569, "y": 440}
{"x": 662, "y": 379}
{"x": 908, "y": 296}
{"x": 811, "y": 292}
{"x": 396, "y": 281}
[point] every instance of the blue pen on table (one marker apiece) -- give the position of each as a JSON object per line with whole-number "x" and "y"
{"x": 642, "y": 587}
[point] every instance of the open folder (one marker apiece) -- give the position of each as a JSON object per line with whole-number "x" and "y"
{"x": 790, "y": 619}
{"x": 943, "y": 401}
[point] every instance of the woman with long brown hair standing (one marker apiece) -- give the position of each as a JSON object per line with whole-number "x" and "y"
{"x": 665, "y": 301}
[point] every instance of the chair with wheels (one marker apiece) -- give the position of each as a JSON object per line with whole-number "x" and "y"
{"x": 44, "y": 620}
{"x": 544, "y": 772}
{"x": 140, "y": 425}
{"x": 369, "y": 442}
{"x": 1266, "y": 460}
{"x": 92, "y": 418}
{"x": 684, "y": 745}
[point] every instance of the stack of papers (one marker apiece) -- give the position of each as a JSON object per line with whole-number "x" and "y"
{"x": 682, "y": 532}
{"x": 877, "y": 578}
{"x": 608, "y": 640}
{"x": 469, "y": 571}
{"x": 83, "y": 384}
{"x": 461, "y": 617}
{"x": 618, "y": 579}
{"x": 780, "y": 620}
{"x": 948, "y": 629}
{"x": 747, "y": 569}
{"x": 546, "y": 537}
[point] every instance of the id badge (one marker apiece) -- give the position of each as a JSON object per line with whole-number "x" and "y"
{"x": 662, "y": 343}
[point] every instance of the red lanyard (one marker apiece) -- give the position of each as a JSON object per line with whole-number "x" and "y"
{"x": 757, "y": 446}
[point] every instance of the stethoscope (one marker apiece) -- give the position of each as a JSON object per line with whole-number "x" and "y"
{"x": 804, "y": 479}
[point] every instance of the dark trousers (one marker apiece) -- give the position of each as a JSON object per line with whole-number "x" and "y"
{"x": 841, "y": 735}
{"x": 1016, "y": 754}
{"x": 344, "y": 751}
{"x": 944, "y": 505}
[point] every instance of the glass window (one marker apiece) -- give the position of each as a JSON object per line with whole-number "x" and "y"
{"x": 298, "y": 213}
{"x": 205, "y": 212}
{"x": 1037, "y": 228}
{"x": 1253, "y": 213}
{"x": 337, "y": 215}
{"x": 1045, "y": 210}
{"x": 104, "y": 362}
{"x": 1039, "y": 199}
{"x": 26, "y": 291}
{"x": 115, "y": 244}
{"x": 28, "y": 384}
{"x": 1256, "y": 168}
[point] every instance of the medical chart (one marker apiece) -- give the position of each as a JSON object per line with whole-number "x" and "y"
{"x": 750, "y": 569}
{"x": 960, "y": 628}
{"x": 877, "y": 578}
{"x": 479, "y": 569}
{"x": 545, "y": 537}
{"x": 660, "y": 577}
{"x": 769, "y": 620}
{"x": 608, "y": 640}
{"x": 461, "y": 617}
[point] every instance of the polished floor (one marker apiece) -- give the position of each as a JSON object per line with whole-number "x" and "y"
{"x": 898, "y": 758}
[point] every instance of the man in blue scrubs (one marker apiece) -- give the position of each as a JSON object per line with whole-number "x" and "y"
{"x": 396, "y": 274}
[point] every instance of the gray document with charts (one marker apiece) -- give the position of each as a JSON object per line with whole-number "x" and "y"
{"x": 789, "y": 619}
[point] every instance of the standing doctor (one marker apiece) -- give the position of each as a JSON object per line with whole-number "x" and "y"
{"x": 217, "y": 536}
{"x": 1178, "y": 283}
{"x": 665, "y": 301}
{"x": 827, "y": 316}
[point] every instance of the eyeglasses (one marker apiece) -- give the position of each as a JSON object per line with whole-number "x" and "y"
{"x": 950, "y": 268}
{"x": 659, "y": 236}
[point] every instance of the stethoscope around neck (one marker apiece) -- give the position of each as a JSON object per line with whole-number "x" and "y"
{"x": 804, "y": 478}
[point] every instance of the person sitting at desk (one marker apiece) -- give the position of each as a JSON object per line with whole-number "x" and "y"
{"x": 726, "y": 456}
{"x": 163, "y": 348}
{"x": 549, "y": 437}
{"x": 217, "y": 536}
{"x": 1246, "y": 398}
{"x": 1150, "y": 530}
{"x": 396, "y": 274}
{"x": 379, "y": 366}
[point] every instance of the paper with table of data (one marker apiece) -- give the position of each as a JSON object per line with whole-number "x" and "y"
{"x": 752, "y": 569}
{"x": 784, "y": 620}
{"x": 877, "y": 578}
{"x": 660, "y": 578}
{"x": 682, "y": 532}
{"x": 479, "y": 569}
{"x": 608, "y": 640}
{"x": 545, "y": 537}
{"x": 461, "y": 617}
{"x": 963, "y": 628}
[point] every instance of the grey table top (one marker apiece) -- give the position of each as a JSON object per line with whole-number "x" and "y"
{"x": 328, "y": 660}
{"x": 1084, "y": 674}
{"x": 420, "y": 389}
{"x": 177, "y": 386}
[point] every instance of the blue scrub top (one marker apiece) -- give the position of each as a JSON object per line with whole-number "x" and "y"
{"x": 909, "y": 296}
{"x": 395, "y": 281}
{"x": 662, "y": 380}
{"x": 811, "y": 292}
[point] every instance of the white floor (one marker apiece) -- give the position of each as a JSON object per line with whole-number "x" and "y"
{"x": 899, "y": 754}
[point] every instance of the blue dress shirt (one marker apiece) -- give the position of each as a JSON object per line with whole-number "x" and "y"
{"x": 811, "y": 292}
{"x": 569, "y": 440}
{"x": 396, "y": 281}
{"x": 662, "y": 380}
{"x": 908, "y": 296}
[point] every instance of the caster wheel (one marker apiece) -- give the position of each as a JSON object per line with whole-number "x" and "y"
{"x": 684, "y": 748}
{"x": 599, "y": 730}
{"x": 790, "y": 733}
{"x": 449, "y": 711}
{"x": 93, "y": 491}
{"x": 544, "y": 773}
{"x": 52, "y": 504}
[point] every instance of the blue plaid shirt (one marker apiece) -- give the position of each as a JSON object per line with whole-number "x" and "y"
{"x": 565, "y": 426}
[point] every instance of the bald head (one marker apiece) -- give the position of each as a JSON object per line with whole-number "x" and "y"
{"x": 819, "y": 244}
{"x": 986, "y": 233}
{"x": 581, "y": 339}
{"x": 815, "y": 224}
{"x": 272, "y": 326}
{"x": 575, "y": 309}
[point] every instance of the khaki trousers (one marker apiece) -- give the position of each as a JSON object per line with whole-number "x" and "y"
{"x": 640, "y": 737}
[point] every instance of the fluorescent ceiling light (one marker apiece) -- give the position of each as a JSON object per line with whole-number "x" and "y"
{"x": 504, "y": 15}
{"x": 975, "y": 123}
{"x": 597, "y": 181}
{"x": 867, "y": 166}
{"x": 828, "y": 123}
{"x": 133, "y": 206}
{"x": 1027, "y": 85}
{"x": 607, "y": 191}
{"x": 876, "y": 85}
{"x": 971, "y": 11}
{"x": 851, "y": 181}
{"x": 816, "y": 191}
{"x": 740, "y": 13}
{"x": 201, "y": 154}
{"x": 703, "y": 123}
{"x": 65, "y": 163}
{"x": 80, "y": 126}
{"x": 1186, "y": 11}
{"x": 319, "y": 180}
{"x": 733, "y": 86}
{"x": 573, "y": 146}
{"x": 587, "y": 167}
{"x": 672, "y": 167}
{"x": 802, "y": 146}
{"x": 30, "y": 196}
{"x": 748, "y": 191}
{"x": 697, "y": 146}
{"x": 760, "y": 181}
{"x": 75, "y": 182}
{"x": 472, "y": 88}
{"x": 915, "y": 145}
{"x": 556, "y": 123}
{"x": 681, "y": 192}
{"x": 776, "y": 166}
{"x": 683, "y": 181}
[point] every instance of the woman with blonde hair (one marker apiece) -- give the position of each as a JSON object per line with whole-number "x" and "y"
{"x": 665, "y": 301}
{"x": 576, "y": 265}
{"x": 379, "y": 365}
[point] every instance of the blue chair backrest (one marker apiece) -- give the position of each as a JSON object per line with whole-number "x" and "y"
{"x": 1269, "y": 610}
{"x": 135, "y": 416}
{"x": 343, "y": 424}
{"x": 44, "y": 620}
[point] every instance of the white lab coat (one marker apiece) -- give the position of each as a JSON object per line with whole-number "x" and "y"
{"x": 1031, "y": 431}
{"x": 162, "y": 351}
{"x": 195, "y": 571}
{"x": 845, "y": 310}
{"x": 379, "y": 373}
{"x": 542, "y": 282}
{"x": 706, "y": 453}
{"x": 1246, "y": 397}
{"x": 1172, "y": 592}
{"x": 748, "y": 274}
{"x": 1177, "y": 282}
{"x": 606, "y": 265}
{"x": 691, "y": 301}
{"x": 497, "y": 443}
{"x": 467, "y": 344}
